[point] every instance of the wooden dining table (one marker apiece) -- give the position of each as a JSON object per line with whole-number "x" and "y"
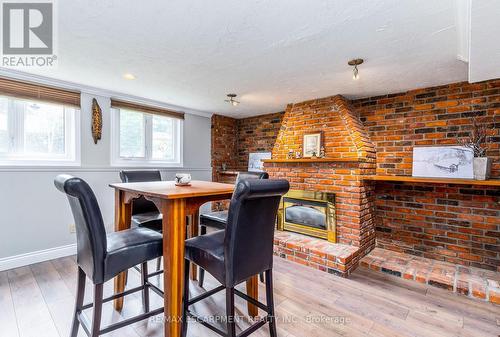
{"x": 176, "y": 203}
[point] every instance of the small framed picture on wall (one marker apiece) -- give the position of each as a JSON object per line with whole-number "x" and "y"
{"x": 311, "y": 144}
{"x": 255, "y": 163}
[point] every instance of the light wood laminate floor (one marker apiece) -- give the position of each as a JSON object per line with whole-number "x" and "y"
{"x": 38, "y": 301}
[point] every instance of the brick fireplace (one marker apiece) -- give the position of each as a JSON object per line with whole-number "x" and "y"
{"x": 448, "y": 224}
{"x": 349, "y": 155}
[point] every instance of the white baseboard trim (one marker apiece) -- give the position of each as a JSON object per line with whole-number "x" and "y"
{"x": 21, "y": 260}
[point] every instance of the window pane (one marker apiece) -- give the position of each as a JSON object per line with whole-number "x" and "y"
{"x": 43, "y": 128}
{"x": 4, "y": 130}
{"x": 132, "y": 134}
{"x": 163, "y": 138}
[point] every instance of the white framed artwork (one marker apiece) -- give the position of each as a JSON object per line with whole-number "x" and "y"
{"x": 311, "y": 144}
{"x": 255, "y": 163}
{"x": 443, "y": 162}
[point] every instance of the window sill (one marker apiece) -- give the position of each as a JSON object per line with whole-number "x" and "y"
{"x": 34, "y": 163}
{"x": 126, "y": 163}
{"x": 77, "y": 169}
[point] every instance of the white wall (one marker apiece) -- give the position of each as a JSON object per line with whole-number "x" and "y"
{"x": 34, "y": 216}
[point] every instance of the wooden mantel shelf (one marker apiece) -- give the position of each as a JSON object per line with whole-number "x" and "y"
{"x": 490, "y": 182}
{"x": 315, "y": 160}
{"x": 229, "y": 173}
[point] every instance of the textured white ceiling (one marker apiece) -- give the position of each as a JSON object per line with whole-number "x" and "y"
{"x": 484, "y": 52}
{"x": 192, "y": 52}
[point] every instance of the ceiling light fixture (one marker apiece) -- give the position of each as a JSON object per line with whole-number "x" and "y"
{"x": 128, "y": 76}
{"x": 231, "y": 99}
{"x": 355, "y": 63}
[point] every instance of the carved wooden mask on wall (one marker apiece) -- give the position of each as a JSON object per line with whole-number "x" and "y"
{"x": 96, "y": 121}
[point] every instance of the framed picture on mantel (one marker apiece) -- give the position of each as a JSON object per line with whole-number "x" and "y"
{"x": 442, "y": 162}
{"x": 311, "y": 144}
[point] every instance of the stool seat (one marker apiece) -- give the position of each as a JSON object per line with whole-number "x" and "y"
{"x": 207, "y": 251}
{"x": 130, "y": 247}
{"x": 151, "y": 220}
{"x": 214, "y": 219}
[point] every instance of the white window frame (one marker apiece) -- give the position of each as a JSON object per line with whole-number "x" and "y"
{"x": 16, "y": 132}
{"x": 147, "y": 161}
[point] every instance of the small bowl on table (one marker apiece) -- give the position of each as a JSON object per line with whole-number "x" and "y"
{"x": 182, "y": 179}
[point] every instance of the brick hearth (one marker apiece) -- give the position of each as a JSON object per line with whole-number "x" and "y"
{"x": 468, "y": 281}
{"x": 334, "y": 258}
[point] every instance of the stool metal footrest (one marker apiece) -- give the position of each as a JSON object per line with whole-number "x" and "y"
{"x": 82, "y": 318}
{"x": 261, "y": 322}
{"x": 244, "y": 333}
{"x": 205, "y": 295}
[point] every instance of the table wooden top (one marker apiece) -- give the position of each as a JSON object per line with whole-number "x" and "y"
{"x": 168, "y": 189}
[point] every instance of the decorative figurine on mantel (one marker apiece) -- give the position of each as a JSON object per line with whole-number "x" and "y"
{"x": 298, "y": 155}
{"x": 290, "y": 154}
{"x": 313, "y": 156}
{"x": 322, "y": 152}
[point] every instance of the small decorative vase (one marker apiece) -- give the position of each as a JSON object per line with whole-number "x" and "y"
{"x": 482, "y": 168}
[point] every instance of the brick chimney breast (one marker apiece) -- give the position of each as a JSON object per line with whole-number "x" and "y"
{"x": 344, "y": 133}
{"x": 345, "y": 137}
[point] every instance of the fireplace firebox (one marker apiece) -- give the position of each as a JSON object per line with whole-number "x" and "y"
{"x": 308, "y": 212}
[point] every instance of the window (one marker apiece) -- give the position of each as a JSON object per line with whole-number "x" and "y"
{"x": 144, "y": 139}
{"x": 37, "y": 133}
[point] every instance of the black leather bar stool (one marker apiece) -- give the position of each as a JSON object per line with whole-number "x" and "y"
{"x": 218, "y": 220}
{"x": 144, "y": 212}
{"x": 243, "y": 250}
{"x": 101, "y": 257}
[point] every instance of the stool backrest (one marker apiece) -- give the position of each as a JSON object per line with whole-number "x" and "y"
{"x": 248, "y": 242}
{"x": 141, "y": 205}
{"x": 90, "y": 232}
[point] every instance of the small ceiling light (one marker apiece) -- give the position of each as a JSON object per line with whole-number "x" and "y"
{"x": 231, "y": 100}
{"x": 355, "y": 63}
{"x": 128, "y": 76}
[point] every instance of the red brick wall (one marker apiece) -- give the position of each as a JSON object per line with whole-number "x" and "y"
{"x": 224, "y": 144}
{"x": 459, "y": 224}
{"x": 431, "y": 116}
{"x": 455, "y": 223}
{"x": 233, "y": 139}
{"x": 257, "y": 134}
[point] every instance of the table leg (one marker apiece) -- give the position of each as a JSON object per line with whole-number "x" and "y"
{"x": 174, "y": 231}
{"x": 194, "y": 228}
{"x": 253, "y": 292}
{"x": 123, "y": 214}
